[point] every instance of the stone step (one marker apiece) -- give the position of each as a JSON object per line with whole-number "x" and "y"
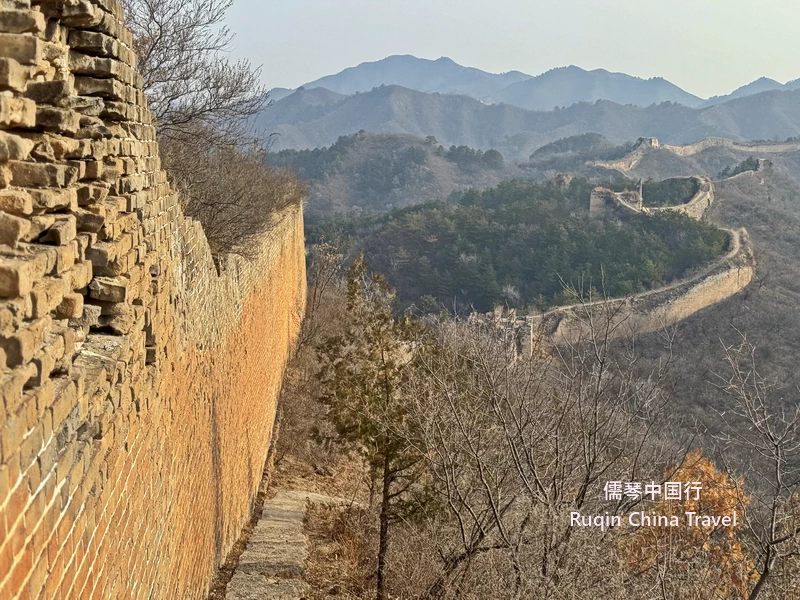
{"x": 272, "y": 565}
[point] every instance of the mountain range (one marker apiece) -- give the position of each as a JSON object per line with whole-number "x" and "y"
{"x": 763, "y": 84}
{"x": 315, "y": 117}
{"x": 443, "y": 76}
{"x": 559, "y": 87}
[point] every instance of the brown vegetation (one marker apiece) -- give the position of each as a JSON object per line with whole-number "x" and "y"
{"x": 231, "y": 192}
{"x": 202, "y": 104}
{"x": 511, "y": 445}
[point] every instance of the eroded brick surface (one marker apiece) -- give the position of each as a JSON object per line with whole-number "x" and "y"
{"x": 138, "y": 380}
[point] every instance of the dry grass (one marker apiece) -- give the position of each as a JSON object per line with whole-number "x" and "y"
{"x": 344, "y": 543}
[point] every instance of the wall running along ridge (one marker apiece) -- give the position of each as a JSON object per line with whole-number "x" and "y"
{"x": 635, "y": 315}
{"x": 644, "y": 145}
{"x": 654, "y": 310}
{"x": 138, "y": 383}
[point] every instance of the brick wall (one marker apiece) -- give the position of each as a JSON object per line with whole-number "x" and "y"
{"x": 138, "y": 380}
{"x": 697, "y": 206}
{"x": 603, "y": 201}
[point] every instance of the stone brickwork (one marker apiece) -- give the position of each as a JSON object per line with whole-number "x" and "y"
{"x": 603, "y": 201}
{"x": 138, "y": 378}
{"x": 697, "y": 206}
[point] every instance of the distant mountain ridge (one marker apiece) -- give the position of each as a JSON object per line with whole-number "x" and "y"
{"x": 443, "y": 76}
{"x": 560, "y": 87}
{"x": 311, "y": 118}
{"x": 568, "y": 85}
{"x": 763, "y": 84}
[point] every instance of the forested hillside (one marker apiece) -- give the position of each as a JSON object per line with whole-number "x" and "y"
{"x": 519, "y": 244}
{"x": 310, "y": 118}
{"x": 368, "y": 172}
{"x": 574, "y": 154}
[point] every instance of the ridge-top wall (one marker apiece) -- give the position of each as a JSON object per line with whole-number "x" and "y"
{"x": 138, "y": 381}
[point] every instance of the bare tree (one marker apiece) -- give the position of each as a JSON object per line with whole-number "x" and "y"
{"x": 516, "y": 443}
{"x": 233, "y": 194}
{"x": 193, "y": 88}
{"x": 324, "y": 265}
{"x": 203, "y": 104}
{"x": 762, "y": 442}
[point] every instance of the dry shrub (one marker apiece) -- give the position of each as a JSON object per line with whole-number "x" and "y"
{"x": 414, "y": 565}
{"x": 202, "y": 104}
{"x": 302, "y": 418}
{"x": 344, "y": 545}
{"x": 231, "y": 191}
{"x": 306, "y": 434}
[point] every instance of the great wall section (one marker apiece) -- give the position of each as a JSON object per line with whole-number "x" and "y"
{"x": 602, "y": 201}
{"x": 660, "y": 308}
{"x": 645, "y": 145}
{"x": 139, "y": 379}
{"x": 646, "y": 312}
{"x": 654, "y": 310}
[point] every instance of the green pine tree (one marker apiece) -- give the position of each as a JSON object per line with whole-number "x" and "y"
{"x": 362, "y": 372}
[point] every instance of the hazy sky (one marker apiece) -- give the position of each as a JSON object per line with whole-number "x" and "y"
{"x": 707, "y": 47}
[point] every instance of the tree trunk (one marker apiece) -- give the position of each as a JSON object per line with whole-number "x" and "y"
{"x": 763, "y": 576}
{"x": 383, "y": 544}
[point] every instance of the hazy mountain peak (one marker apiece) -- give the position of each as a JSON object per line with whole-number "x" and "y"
{"x": 442, "y": 75}
{"x": 762, "y": 84}
{"x": 557, "y": 87}
{"x": 565, "y": 86}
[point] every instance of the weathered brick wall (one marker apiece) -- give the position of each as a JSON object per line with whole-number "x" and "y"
{"x": 697, "y": 206}
{"x": 138, "y": 382}
{"x": 603, "y": 202}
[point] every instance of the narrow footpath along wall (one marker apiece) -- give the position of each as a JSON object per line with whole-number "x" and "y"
{"x": 138, "y": 381}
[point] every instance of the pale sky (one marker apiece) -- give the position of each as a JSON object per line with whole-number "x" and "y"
{"x": 707, "y": 47}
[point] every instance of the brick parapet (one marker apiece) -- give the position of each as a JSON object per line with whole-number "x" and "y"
{"x": 138, "y": 380}
{"x": 603, "y": 201}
